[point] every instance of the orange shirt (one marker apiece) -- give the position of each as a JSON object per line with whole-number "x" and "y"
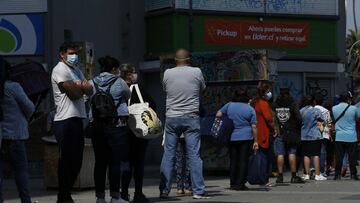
{"x": 263, "y": 116}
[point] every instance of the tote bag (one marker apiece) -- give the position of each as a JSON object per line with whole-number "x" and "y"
{"x": 257, "y": 169}
{"x": 143, "y": 121}
{"x": 222, "y": 129}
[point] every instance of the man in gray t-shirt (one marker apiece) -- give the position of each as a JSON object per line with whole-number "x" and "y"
{"x": 183, "y": 86}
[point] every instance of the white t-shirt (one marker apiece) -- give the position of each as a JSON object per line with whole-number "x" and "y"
{"x": 65, "y": 107}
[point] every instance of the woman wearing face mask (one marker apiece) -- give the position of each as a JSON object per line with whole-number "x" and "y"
{"x": 110, "y": 136}
{"x": 265, "y": 120}
{"x": 137, "y": 146}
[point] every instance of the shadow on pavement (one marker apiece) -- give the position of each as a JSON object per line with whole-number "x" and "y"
{"x": 352, "y": 197}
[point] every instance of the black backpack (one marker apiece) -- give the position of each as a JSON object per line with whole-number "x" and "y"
{"x": 103, "y": 104}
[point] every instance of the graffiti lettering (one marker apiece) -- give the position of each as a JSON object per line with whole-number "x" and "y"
{"x": 327, "y": 7}
{"x": 313, "y": 88}
{"x": 295, "y": 90}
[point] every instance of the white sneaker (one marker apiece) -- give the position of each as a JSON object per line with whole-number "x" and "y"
{"x": 306, "y": 177}
{"x": 320, "y": 177}
{"x": 202, "y": 196}
{"x": 120, "y": 200}
{"x": 100, "y": 200}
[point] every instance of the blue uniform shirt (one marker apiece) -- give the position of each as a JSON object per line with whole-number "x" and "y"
{"x": 243, "y": 116}
{"x": 346, "y": 126}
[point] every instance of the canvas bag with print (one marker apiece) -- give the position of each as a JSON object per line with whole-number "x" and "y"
{"x": 143, "y": 121}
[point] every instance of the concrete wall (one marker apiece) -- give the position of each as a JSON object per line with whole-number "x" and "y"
{"x": 115, "y": 27}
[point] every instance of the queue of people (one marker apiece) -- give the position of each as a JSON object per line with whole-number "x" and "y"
{"x": 311, "y": 135}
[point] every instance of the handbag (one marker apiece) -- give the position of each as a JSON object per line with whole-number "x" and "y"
{"x": 333, "y": 129}
{"x": 222, "y": 129}
{"x": 257, "y": 169}
{"x": 143, "y": 121}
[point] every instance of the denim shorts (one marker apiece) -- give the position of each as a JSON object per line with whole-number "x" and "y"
{"x": 281, "y": 148}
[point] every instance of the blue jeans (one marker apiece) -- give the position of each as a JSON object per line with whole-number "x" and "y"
{"x": 323, "y": 157}
{"x": 183, "y": 178}
{"x": 281, "y": 148}
{"x": 174, "y": 127}
{"x": 16, "y": 151}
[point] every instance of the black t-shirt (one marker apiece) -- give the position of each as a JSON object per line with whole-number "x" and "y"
{"x": 288, "y": 115}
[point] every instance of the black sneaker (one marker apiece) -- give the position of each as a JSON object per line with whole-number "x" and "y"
{"x": 243, "y": 188}
{"x": 297, "y": 179}
{"x": 354, "y": 177}
{"x": 140, "y": 198}
{"x": 280, "y": 179}
{"x": 337, "y": 177}
{"x": 164, "y": 196}
{"x": 125, "y": 196}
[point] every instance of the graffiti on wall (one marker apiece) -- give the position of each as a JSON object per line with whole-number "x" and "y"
{"x": 295, "y": 89}
{"x": 224, "y": 67}
{"x": 233, "y": 66}
{"x": 216, "y": 96}
{"x": 313, "y": 87}
{"x": 312, "y": 7}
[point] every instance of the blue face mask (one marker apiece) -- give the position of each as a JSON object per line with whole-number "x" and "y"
{"x": 72, "y": 59}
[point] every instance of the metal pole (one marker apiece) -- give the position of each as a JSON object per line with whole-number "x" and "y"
{"x": 190, "y": 26}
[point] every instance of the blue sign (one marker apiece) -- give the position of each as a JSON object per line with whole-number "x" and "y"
{"x": 21, "y": 34}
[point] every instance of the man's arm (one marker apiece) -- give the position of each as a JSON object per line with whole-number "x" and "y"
{"x": 76, "y": 89}
{"x": 202, "y": 81}
{"x": 86, "y": 87}
{"x": 72, "y": 89}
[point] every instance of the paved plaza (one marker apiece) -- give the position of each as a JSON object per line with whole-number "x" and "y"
{"x": 330, "y": 191}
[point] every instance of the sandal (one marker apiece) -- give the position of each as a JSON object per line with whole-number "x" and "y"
{"x": 188, "y": 192}
{"x": 180, "y": 192}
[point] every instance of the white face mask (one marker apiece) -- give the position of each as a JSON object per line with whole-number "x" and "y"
{"x": 268, "y": 95}
{"x": 72, "y": 59}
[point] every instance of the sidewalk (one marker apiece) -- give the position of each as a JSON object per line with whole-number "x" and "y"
{"x": 218, "y": 188}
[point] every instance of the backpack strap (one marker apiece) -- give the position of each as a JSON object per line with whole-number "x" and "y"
{"x": 96, "y": 86}
{"x": 110, "y": 85}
